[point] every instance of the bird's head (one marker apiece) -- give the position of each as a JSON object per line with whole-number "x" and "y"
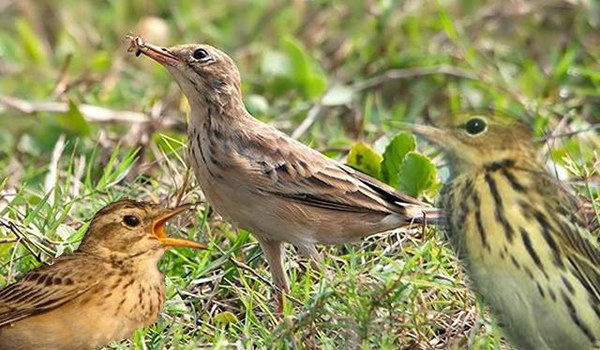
{"x": 475, "y": 140}
{"x": 204, "y": 73}
{"x": 130, "y": 228}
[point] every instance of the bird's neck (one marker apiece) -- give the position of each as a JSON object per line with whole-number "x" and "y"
{"x": 143, "y": 265}
{"x": 218, "y": 110}
{"x": 144, "y": 259}
{"x": 480, "y": 166}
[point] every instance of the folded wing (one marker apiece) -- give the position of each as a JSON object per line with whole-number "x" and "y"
{"x": 46, "y": 288}
{"x": 284, "y": 167}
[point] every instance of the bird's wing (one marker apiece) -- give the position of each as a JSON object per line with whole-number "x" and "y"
{"x": 47, "y": 287}
{"x": 583, "y": 256}
{"x": 281, "y": 166}
{"x": 574, "y": 240}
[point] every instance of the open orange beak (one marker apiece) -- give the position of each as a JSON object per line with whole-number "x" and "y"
{"x": 158, "y": 229}
{"x": 161, "y": 55}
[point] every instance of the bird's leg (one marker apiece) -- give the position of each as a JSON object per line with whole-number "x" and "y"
{"x": 274, "y": 253}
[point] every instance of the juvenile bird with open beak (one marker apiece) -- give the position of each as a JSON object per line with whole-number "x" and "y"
{"x": 276, "y": 187}
{"x": 105, "y": 290}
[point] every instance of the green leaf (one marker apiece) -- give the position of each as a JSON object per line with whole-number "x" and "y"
{"x": 299, "y": 62}
{"x": 225, "y": 318}
{"x": 294, "y": 68}
{"x": 256, "y": 104}
{"x": 304, "y": 70}
{"x": 114, "y": 171}
{"x": 394, "y": 155}
{"x": 31, "y": 43}
{"x": 416, "y": 174}
{"x": 101, "y": 61}
{"x": 74, "y": 121}
{"x": 365, "y": 159}
{"x": 315, "y": 85}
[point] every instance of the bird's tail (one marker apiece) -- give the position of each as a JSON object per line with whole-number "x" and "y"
{"x": 418, "y": 214}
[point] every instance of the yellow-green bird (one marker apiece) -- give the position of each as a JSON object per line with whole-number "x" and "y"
{"x": 519, "y": 234}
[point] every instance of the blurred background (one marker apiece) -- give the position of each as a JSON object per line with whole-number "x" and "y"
{"x": 83, "y": 122}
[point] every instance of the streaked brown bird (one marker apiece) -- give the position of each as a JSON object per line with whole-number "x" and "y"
{"x": 276, "y": 187}
{"x": 520, "y": 234}
{"x": 105, "y": 290}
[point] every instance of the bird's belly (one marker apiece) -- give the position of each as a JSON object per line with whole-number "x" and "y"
{"x": 49, "y": 332}
{"x": 275, "y": 217}
{"x": 71, "y": 331}
{"x": 539, "y": 301}
{"x": 530, "y": 321}
{"x": 282, "y": 219}
{"x": 263, "y": 215}
{"x": 95, "y": 318}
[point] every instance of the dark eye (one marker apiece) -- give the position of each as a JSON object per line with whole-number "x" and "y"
{"x": 475, "y": 126}
{"x": 131, "y": 221}
{"x": 200, "y": 54}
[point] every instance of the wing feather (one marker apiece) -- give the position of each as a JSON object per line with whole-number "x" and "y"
{"x": 48, "y": 287}
{"x": 576, "y": 241}
{"x": 281, "y": 166}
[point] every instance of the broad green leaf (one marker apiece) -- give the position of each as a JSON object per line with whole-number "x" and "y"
{"x": 74, "y": 121}
{"x": 305, "y": 71}
{"x": 299, "y": 63}
{"x": 225, "y": 318}
{"x": 315, "y": 85}
{"x": 294, "y": 68}
{"x": 256, "y": 104}
{"x": 394, "y": 155}
{"x": 365, "y": 159}
{"x": 416, "y": 174}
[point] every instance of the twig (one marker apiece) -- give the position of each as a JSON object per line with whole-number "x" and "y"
{"x": 213, "y": 293}
{"x": 243, "y": 266}
{"x": 311, "y": 116}
{"x": 53, "y": 168}
{"x": 63, "y": 78}
{"x": 15, "y": 230}
{"x": 184, "y": 186}
{"x": 394, "y": 74}
{"x": 90, "y": 112}
{"x": 266, "y": 281}
{"x": 568, "y": 134}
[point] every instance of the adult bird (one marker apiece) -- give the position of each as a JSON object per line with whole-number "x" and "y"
{"x": 276, "y": 187}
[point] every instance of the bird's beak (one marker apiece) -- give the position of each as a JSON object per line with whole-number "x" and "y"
{"x": 161, "y": 55}
{"x": 429, "y": 133}
{"x": 445, "y": 140}
{"x": 158, "y": 229}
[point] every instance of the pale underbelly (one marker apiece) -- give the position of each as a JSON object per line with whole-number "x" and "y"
{"x": 279, "y": 218}
{"x": 530, "y": 321}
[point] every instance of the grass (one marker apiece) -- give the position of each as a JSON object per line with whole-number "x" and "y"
{"x": 331, "y": 74}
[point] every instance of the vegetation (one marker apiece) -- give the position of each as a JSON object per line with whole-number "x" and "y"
{"x": 84, "y": 123}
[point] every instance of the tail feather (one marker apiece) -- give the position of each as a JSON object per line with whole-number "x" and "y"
{"x": 424, "y": 215}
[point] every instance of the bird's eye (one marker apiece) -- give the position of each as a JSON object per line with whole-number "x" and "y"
{"x": 475, "y": 126}
{"x": 200, "y": 54}
{"x": 131, "y": 220}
